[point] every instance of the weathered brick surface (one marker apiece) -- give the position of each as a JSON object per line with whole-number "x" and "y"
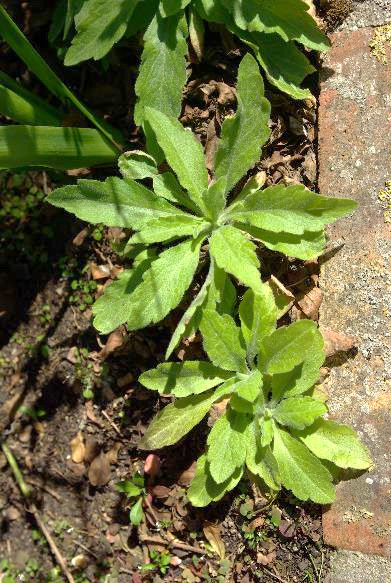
{"x": 355, "y": 161}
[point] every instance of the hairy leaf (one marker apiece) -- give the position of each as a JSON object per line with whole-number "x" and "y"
{"x": 300, "y": 471}
{"x": 222, "y": 292}
{"x": 286, "y": 347}
{"x": 162, "y": 73}
{"x": 116, "y": 202}
{"x": 288, "y": 18}
{"x": 248, "y": 388}
{"x": 266, "y": 426}
{"x": 177, "y": 419}
{"x": 183, "y": 378}
{"x": 183, "y": 152}
{"x": 163, "y": 285}
{"x": 227, "y": 445}
{"x": 291, "y": 209}
{"x": 167, "y": 186}
{"x": 222, "y": 341}
{"x": 259, "y": 459}
{"x": 258, "y": 318}
{"x": 203, "y": 489}
{"x": 168, "y": 229}
{"x": 298, "y": 412}
{"x": 215, "y": 198}
{"x": 169, "y": 7}
{"x": 99, "y": 27}
{"x": 243, "y": 135}
{"x": 337, "y": 443}
{"x": 234, "y": 253}
{"x": 136, "y": 165}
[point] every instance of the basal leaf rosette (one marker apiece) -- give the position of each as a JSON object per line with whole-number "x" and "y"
{"x": 192, "y": 222}
{"x": 273, "y": 428}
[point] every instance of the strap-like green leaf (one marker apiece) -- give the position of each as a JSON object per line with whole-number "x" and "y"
{"x": 37, "y": 65}
{"x": 222, "y": 341}
{"x": 167, "y": 186}
{"x": 307, "y": 246}
{"x": 53, "y": 147}
{"x": 183, "y": 153}
{"x": 337, "y": 443}
{"x": 184, "y": 378}
{"x": 298, "y": 412}
{"x": 243, "y": 136}
{"x": 290, "y": 209}
{"x": 222, "y": 293}
{"x": 286, "y": 347}
{"x": 266, "y": 425}
{"x": 99, "y": 25}
{"x": 163, "y": 285}
{"x": 203, "y": 489}
{"x": 215, "y": 198}
{"x": 227, "y": 445}
{"x": 169, "y": 7}
{"x": 303, "y": 376}
{"x": 247, "y": 390}
{"x": 235, "y": 254}
{"x": 162, "y": 74}
{"x": 177, "y": 419}
{"x": 169, "y": 229}
{"x": 300, "y": 471}
{"x": 258, "y": 318}
{"x": 288, "y": 18}
{"x": 25, "y": 107}
{"x": 114, "y": 202}
{"x": 260, "y": 460}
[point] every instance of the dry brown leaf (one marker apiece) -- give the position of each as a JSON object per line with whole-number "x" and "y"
{"x": 79, "y": 239}
{"x": 283, "y": 297}
{"x": 125, "y": 380}
{"x": 99, "y": 472}
{"x": 114, "y": 341}
{"x": 112, "y": 454}
{"x": 335, "y": 342}
{"x": 212, "y": 535}
{"x": 99, "y": 271}
{"x": 78, "y": 448}
{"x": 91, "y": 449}
{"x": 311, "y": 303}
{"x": 186, "y": 477}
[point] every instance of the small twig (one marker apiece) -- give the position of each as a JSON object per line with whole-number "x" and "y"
{"x": 113, "y": 425}
{"x": 86, "y": 549}
{"x": 32, "y": 509}
{"x": 147, "y": 502}
{"x": 275, "y": 576}
{"x": 46, "y": 489}
{"x": 173, "y": 543}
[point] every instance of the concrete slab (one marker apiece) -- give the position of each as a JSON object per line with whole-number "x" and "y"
{"x": 355, "y": 161}
{"x": 368, "y": 13}
{"x": 349, "y": 567}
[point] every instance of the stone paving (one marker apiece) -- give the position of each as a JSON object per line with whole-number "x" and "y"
{"x": 355, "y": 161}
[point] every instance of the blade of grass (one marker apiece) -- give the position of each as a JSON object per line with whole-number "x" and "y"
{"x": 24, "y": 49}
{"x": 23, "y": 106}
{"x": 60, "y": 148}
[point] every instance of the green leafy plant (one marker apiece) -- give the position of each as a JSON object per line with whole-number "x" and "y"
{"x": 41, "y": 140}
{"x": 220, "y": 230}
{"x": 160, "y": 561}
{"x": 134, "y": 490}
{"x": 273, "y": 425}
{"x": 271, "y": 28}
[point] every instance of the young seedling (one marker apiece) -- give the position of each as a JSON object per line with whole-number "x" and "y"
{"x": 273, "y": 425}
{"x": 134, "y": 490}
{"x": 219, "y": 232}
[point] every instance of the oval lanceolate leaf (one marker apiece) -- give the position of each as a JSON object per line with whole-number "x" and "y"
{"x": 203, "y": 489}
{"x": 300, "y": 471}
{"x": 303, "y": 377}
{"x": 222, "y": 341}
{"x": 287, "y": 18}
{"x": 114, "y": 202}
{"x": 337, "y": 443}
{"x": 99, "y": 25}
{"x": 164, "y": 284}
{"x": 227, "y": 445}
{"x": 236, "y": 254}
{"x": 298, "y": 412}
{"x": 169, "y": 229}
{"x": 169, "y": 7}
{"x": 260, "y": 460}
{"x": 162, "y": 74}
{"x": 258, "y": 318}
{"x": 243, "y": 136}
{"x": 290, "y": 209}
{"x": 183, "y": 153}
{"x": 177, "y": 419}
{"x": 184, "y": 378}
{"x": 137, "y": 165}
{"x": 287, "y": 347}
